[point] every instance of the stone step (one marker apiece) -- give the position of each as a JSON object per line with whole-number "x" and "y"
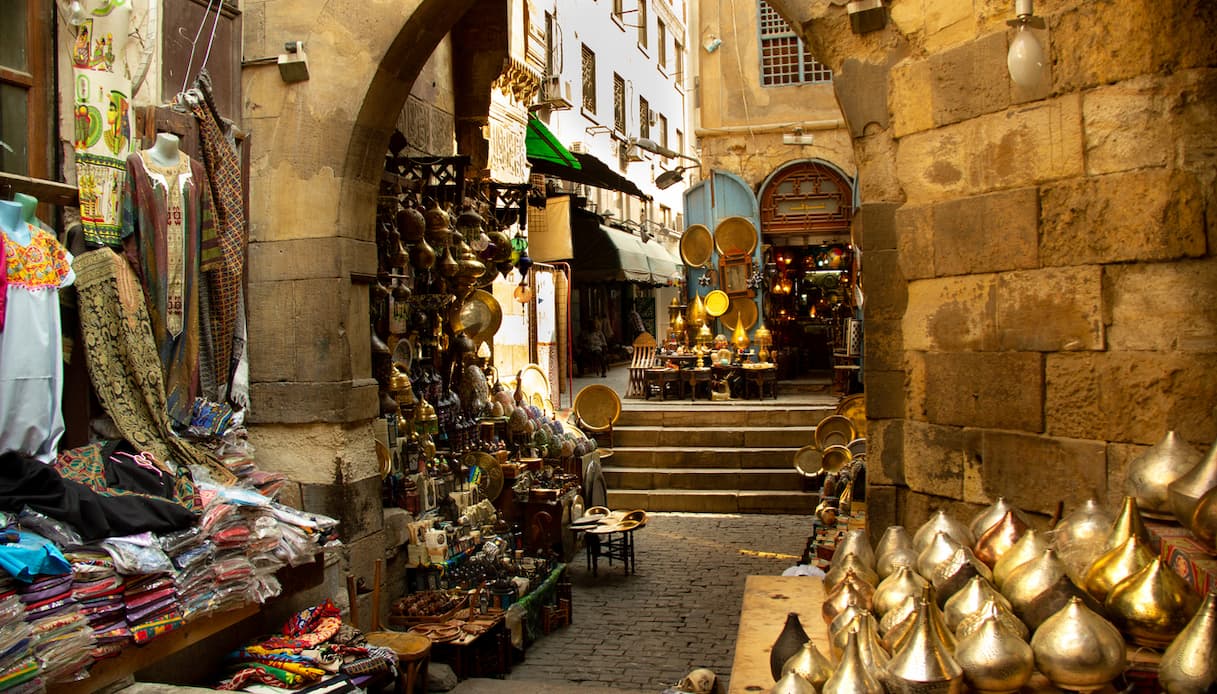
{"x": 706, "y": 479}
{"x": 682, "y": 414}
{"x": 715, "y": 501}
{"x": 713, "y": 436}
{"x": 703, "y": 457}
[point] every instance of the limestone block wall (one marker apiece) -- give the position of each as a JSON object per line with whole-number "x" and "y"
{"x": 1038, "y": 264}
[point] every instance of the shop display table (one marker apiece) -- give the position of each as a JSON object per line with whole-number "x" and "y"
{"x": 767, "y": 601}
{"x": 659, "y": 380}
{"x": 484, "y": 654}
{"x": 761, "y": 380}
{"x": 693, "y": 377}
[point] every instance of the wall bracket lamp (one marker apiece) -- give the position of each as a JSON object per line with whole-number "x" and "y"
{"x": 1025, "y": 60}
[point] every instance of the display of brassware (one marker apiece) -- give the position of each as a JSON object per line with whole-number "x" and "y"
{"x": 895, "y": 589}
{"x": 896, "y": 616}
{"x": 1077, "y": 649}
{"x": 954, "y": 573}
{"x": 1151, "y": 473}
{"x": 1031, "y": 545}
{"x": 1189, "y": 665}
{"x": 969, "y": 599}
{"x": 855, "y": 542}
{"x": 870, "y": 647}
{"x": 788, "y": 642}
{"x": 852, "y": 675}
{"x": 989, "y": 517}
{"x": 1081, "y": 537}
{"x": 851, "y": 590}
{"x": 849, "y": 562}
{"x": 895, "y": 547}
{"x": 941, "y": 522}
{"x": 994, "y": 661}
{"x": 809, "y": 663}
{"x": 1186, "y": 491}
{"x": 900, "y": 633}
{"x": 1204, "y": 519}
{"x": 1000, "y": 538}
{"x": 1115, "y": 565}
{"x": 937, "y": 551}
{"x": 1040, "y": 588}
{"x": 1152, "y": 606}
{"x": 925, "y": 664}
{"x": 1128, "y": 522}
{"x": 998, "y": 610}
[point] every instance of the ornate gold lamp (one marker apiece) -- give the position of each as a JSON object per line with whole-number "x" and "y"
{"x": 764, "y": 339}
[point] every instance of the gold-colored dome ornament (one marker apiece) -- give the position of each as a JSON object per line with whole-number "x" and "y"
{"x": 895, "y": 617}
{"x": 843, "y": 622}
{"x": 902, "y": 584}
{"x": 739, "y": 337}
{"x": 1204, "y": 519}
{"x": 1151, "y": 473}
{"x": 697, "y": 311}
{"x": 1000, "y": 538}
{"x": 836, "y": 573}
{"x": 899, "y": 635}
{"x": 1081, "y": 537}
{"x": 856, "y": 542}
{"x": 1040, "y": 588}
{"x": 809, "y": 663}
{"x": 1115, "y": 565}
{"x": 1129, "y": 522}
{"x": 953, "y": 574}
{"x": 989, "y": 517}
{"x": 969, "y": 599}
{"x": 895, "y": 539}
{"x": 1152, "y": 606}
{"x": 937, "y": 551}
{"x": 1189, "y": 665}
{"x": 1077, "y": 649}
{"x": 925, "y": 663}
{"x": 941, "y": 522}
{"x": 1031, "y": 545}
{"x": 998, "y": 610}
{"x": 1185, "y": 493}
{"x": 792, "y": 683}
{"x": 851, "y": 590}
{"x": 852, "y": 676}
{"x": 993, "y": 660}
{"x": 870, "y": 646}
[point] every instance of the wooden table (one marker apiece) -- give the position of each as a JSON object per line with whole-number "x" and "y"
{"x": 767, "y": 600}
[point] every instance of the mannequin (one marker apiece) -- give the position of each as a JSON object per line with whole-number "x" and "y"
{"x": 165, "y": 151}
{"x": 12, "y": 224}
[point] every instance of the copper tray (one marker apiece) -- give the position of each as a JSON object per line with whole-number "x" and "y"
{"x": 491, "y": 481}
{"x": 742, "y": 309}
{"x": 735, "y": 236}
{"x": 597, "y": 405}
{"x": 696, "y": 246}
{"x": 479, "y": 316}
{"x": 717, "y": 303}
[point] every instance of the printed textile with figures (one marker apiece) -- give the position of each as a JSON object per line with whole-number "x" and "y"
{"x": 102, "y": 116}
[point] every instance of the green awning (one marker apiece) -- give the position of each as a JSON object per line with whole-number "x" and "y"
{"x": 541, "y": 144}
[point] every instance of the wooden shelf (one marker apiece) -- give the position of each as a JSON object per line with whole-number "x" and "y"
{"x": 50, "y": 192}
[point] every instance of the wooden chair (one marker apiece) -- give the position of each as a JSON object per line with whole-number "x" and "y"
{"x": 644, "y": 358}
{"x": 413, "y": 651}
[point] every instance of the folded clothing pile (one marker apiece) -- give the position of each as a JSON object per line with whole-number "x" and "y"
{"x": 152, "y": 606}
{"x": 192, "y": 554}
{"x": 19, "y": 670}
{"x": 62, "y": 639}
{"x": 98, "y": 589}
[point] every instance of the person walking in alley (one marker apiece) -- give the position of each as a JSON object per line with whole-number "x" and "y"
{"x": 594, "y": 347}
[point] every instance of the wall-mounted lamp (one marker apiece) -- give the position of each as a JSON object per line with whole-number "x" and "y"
{"x": 669, "y": 178}
{"x": 293, "y": 65}
{"x": 1025, "y": 60}
{"x": 711, "y": 43}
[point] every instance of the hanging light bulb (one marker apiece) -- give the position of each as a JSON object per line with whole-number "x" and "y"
{"x": 1025, "y": 60}
{"x": 76, "y": 13}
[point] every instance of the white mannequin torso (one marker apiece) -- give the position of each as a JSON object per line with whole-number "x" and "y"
{"x": 164, "y": 152}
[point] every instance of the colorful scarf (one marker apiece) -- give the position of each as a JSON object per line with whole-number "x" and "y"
{"x": 309, "y": 627}
{"x": 3, "y": 282}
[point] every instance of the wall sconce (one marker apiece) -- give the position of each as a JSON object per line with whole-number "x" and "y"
{"x": 1025, "y": 60}
{"x": 293, "y": 65}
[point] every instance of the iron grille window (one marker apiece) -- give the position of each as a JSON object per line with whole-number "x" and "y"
{"x": 644, "y": 118}
{"x": 785, "y": 59}
{"x": 618, "y": 103}
{"x": 589, "y": 80}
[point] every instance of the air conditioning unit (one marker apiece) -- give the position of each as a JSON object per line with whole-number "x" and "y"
{"x": 555, "y": 92}
{"x": 578, "y": 147}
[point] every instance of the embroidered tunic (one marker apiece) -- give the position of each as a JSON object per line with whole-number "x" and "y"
{"x": 169, "y": 238}
{"x": 31, "y": 350}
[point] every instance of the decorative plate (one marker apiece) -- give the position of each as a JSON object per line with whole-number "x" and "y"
{"x": 808, "y": 460}
{"x": 696, "y": 245}
{"x": 735, "y": 236}
{"x": 854, "y": 407}
{"x": 742, "y": 309}
{"x": 717, "y": 303}
{"x": 490, "y": 481}
{"x": 403, "y": 354}
{"x": 834, "y": 430}
{"x": 857, "y": 447}
{"x": 597, "y": 405}
{"x": 835, "y": 457}
{"x": 533, "y": 381}
{"x": 479, "y": 316}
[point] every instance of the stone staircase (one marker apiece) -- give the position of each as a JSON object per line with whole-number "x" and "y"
{"x": 731, "y": 457}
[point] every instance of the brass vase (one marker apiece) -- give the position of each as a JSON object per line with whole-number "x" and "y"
{"x": 852, "y": 676}
{"x": 953, "y": 574}
{"x": 1040, "y": 588}
{"x": 1031, "y": 545}
{"x": 970, "y": 599}
{"x": 937, "y": 551}
{"x": 1152, "y": 606}
{"x": 787, "y": 644}
{"x": 1129, "y": 522}
{"x": 851, "y": 590}
{"x": 1185, "y": 493}
{"x": 809, "y": 663}
{"x": 1204, "y": 519}
{"x": 924, "y": 664}
{"x": 941, "y": 522}
{"x": 1189, "y": 665}
{"x": 1151, "y": 473}
{"x": 993, "y": 660}
{"x": 856, "y": 543}
{"x": 1077, "y": 649}
{"x": 999, "y": 611}
{"x": 1115, "y": 565}
{"x": 847, "y": 563}
{"x": 896, "y": 588}
{"x": 1081, "y": 537}
{"x": 1000, "y": 538}
{"x": 792, "y": 683}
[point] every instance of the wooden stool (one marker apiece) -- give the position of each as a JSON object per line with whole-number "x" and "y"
{"x": 413, "y": 650}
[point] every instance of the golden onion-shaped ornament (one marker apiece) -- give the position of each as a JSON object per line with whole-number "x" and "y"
{"x": 844, "y": 621}
{"x": 886, "y": 564}
{"x": 1004, "y": 616}
{"x": 1129, "y": 522}
{"x": 969, "y": 599}
{"x": 792, "y": 683}
{"x": 1031, "y": 545}
{"x": 895, "y": 589}
{"x": 852, "y": 675}
{"x": 810, "y": 664}
{"x": 1152, "y": 606}
{"x": 993, "y": 660}
{"x": 941, "y": 522}
{"x": 1151, "y": 473}
{"x": 1081, "y": 537}
{"x": 894, "y": 537}
{"x": 939, "y": 550}
{"x": 896, "y": 616}
{"x": 1077, "y": 649}
{"x": 924, "y": 664}
{"x": 851, "y": 590}
{"x": 953, "y": 574}
{"x": 1185, "y": 493}
{"x": 855, "y": 542}
{"x": 1040, "y": 588}
{"x": 1189, "y": 665}
{"x": 900, "y": 634}
{"x": 847, "y": 563}
{"x": 989, "y": 517}
{"x": 868, "y": 635}
{"x": 1000, "y": 538}
{"x": 1115, "y": 565}
{"x": 1204, "y": 519}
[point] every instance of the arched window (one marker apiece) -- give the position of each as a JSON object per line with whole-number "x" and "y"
{"x": 807, "y": 198}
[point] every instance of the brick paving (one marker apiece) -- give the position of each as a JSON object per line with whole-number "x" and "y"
{"x": 678, "y": 612}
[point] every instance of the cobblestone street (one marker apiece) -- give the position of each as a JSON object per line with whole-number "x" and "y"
{"x": 679, "y": 612}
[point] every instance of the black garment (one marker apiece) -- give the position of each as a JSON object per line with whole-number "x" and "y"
{"x": 24, "y": 481}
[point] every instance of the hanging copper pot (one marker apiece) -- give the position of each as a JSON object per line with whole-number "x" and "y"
{"x": 1152, "y": 606}
{"x": 1000, "y": 538}
{"x": 410, "y": 223}
{"x": 1031, "y": 545}
{"x": 941, "y": 522}
{"x": 1077, "y": 649}
{"x": 1151, "y": 473}
{"x": 439, "y": 224}
{"x": 1115, "y": 565}
{"x": 1189, "y": 665}
{"x": 423, "y": 255}
{"x": 447, "y": 264}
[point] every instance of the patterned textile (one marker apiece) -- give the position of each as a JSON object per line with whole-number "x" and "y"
{"x": 143, "y": 633}
{"x": 309, "y": 627}
{"x": 39, "y": 265}
{"x": 87, "y": 466}
{"x": 171, "y": 281}
{"x": 123, "y": 364}
{"x": 3, "y": 282}
{"x": 259, "y": 673}
{"x": 224, "y": 175}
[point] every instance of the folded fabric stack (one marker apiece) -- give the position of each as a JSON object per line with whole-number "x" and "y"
{"x": 19, "y": 669}
{"x": 301, "y": 534}
{"x": 192, "y": 553}
{"x": 98, "y": 589}
{"x": 63, "y": 641}
{"x": 152, "y": 606}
